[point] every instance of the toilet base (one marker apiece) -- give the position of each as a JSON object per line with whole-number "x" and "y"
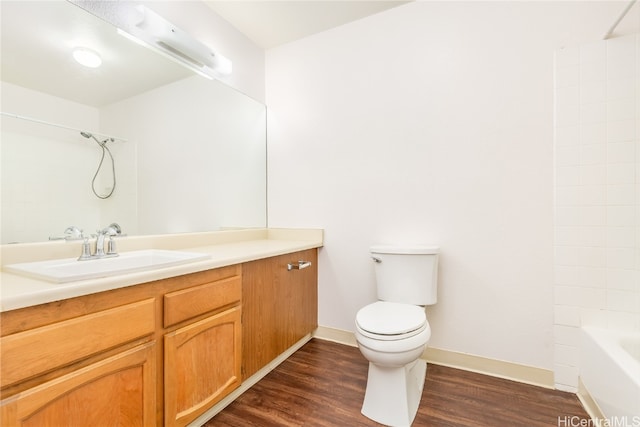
{"x": 393, "y": 394}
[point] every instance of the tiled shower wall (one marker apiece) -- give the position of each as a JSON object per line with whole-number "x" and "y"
{"x": 46, "y": 171}
{"x": 597, "y": 195}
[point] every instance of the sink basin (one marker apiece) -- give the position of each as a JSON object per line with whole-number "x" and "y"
{"x": 71, "y": 270}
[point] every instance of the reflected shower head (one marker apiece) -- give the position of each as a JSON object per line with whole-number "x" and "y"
{"x": 90, "y": 135}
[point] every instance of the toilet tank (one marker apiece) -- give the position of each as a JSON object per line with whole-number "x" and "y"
{"x": 406, "y": 274}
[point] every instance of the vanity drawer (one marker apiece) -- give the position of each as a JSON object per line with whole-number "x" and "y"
{"x": 36, "y": 351}
{"x": 191, "y": 302}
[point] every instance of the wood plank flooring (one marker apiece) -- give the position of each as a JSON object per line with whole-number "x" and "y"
{"x": 323, "y": 384}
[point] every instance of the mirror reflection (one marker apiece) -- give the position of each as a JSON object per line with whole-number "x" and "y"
{"x": 189, "y": 154}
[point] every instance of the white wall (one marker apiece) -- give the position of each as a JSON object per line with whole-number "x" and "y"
{"x": 430, "y": 123}
{"x": 597, "y": 194}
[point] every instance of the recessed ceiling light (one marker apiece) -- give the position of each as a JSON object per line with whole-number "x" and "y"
{"x": 87, "y": 57}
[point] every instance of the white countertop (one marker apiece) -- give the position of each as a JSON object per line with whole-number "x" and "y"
{"x": 225, "y": 247}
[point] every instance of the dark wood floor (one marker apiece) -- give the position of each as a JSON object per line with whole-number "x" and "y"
{"x": 323, "y": 384}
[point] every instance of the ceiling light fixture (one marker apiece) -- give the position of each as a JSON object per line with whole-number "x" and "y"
{"x": 87, "y": 57}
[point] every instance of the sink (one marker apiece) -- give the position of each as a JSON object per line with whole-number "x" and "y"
{"x": 71, "y": 270}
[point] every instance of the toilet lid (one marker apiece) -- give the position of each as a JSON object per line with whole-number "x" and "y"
{"x": 390, "y": 318}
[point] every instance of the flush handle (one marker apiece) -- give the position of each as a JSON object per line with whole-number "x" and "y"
{"x": 377, "y": 260}
{"x": 299, "y": 266}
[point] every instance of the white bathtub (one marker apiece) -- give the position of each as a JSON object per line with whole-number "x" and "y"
{"x": 610, "y": 371}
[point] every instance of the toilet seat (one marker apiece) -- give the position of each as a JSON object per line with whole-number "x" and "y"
{"x": 390, "y": 321}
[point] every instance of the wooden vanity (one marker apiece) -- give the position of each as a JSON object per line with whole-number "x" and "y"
{"x": 158, "y": 353}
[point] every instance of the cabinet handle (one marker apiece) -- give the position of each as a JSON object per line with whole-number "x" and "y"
{"x": 299, "y": 266}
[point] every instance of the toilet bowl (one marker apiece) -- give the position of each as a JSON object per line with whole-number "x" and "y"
{"x": 392, "y": 328}
{"x": 392, "y": 337}
{"x": 393, "y": 332}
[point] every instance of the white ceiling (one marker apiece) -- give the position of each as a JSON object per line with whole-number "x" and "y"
{"x": 272, "y": 23}
{"x": 269, "y": 23}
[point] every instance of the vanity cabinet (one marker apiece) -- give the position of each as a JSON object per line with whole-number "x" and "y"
{"x": 279, "y": 306}
{"x": 160, "y": 353}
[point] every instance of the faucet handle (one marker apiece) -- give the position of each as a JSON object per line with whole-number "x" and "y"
{"x": 112, "y": 229}
{"x": 73, "y": 233}
{"x": 86, "y": 250}
{"x": 111, "y": 246}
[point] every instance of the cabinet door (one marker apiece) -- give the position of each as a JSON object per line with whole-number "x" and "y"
{"x": 280, "y": 306}
{"x": 201, "y": 365}
{"x": 300, "y": 297}
{"x": 119, "y": 390}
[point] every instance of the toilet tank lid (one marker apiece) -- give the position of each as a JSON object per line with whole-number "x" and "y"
{"x": 414, "y": 249}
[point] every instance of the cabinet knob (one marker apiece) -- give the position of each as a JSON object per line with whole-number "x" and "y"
{"x": 299, "y": 266}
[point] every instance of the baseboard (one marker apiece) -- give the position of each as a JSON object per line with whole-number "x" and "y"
{"x": 336, "y": 335}
{"x": 468, "y": 362}
{"x": 589, "y": 404}
{"x": 493, "y": 367}
{"x": 248, "y": 383}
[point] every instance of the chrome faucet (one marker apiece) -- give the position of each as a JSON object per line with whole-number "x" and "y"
{"x": 100, "y": 241}
{"x": 111, "y": 231}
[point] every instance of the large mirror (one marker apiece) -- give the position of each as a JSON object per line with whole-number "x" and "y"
{"x": 189, "y": 154}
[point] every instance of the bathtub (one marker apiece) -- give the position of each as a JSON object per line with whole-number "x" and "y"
{"x": 610, "y": 372}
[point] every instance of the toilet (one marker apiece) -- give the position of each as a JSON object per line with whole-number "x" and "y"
{"x": 393, "y": 332}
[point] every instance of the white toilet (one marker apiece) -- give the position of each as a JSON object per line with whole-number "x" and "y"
{"x": 393, "y": 332}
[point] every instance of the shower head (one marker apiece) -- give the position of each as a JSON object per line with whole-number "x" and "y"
{"x": 90, "y": 135}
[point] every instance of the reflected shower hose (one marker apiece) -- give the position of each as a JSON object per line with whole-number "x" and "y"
{"x": 104, "y": 147}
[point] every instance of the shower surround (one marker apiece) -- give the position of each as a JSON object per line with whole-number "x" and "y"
{"x": 597, "y": 195}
